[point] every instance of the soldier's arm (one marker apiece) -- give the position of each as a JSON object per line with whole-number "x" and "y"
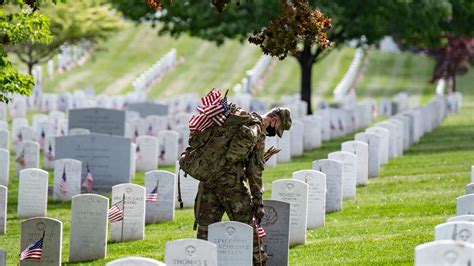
{"x": 243, "y": 143}
{"x": 254, "y": 170}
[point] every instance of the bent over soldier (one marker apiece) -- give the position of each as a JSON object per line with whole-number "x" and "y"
{"x": 236, "y": 152}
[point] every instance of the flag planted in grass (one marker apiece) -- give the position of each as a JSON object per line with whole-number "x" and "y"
{"x": 153, "y": 196}
{"x": 33, "y": 251}
{"x": 88, "y": 182}
{"x": 63, "y": 186}
{"x": 261, "y": 233}
{"x": 116, "y": 212}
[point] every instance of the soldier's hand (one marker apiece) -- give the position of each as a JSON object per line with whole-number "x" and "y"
{"x": 259, "y": 212}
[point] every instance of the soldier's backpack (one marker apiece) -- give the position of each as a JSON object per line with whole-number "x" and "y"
{"x": 206, "y": 155}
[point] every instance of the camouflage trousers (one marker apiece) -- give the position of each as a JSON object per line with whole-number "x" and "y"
{"x": 236, "y": 202}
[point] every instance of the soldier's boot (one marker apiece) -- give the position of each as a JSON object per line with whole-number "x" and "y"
{"x": 202, "y": 232}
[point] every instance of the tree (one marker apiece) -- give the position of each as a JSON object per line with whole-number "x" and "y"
{"x": 350, "y": 20}
{"x": 71, "y": 23}
{"x": 16, "y": 28}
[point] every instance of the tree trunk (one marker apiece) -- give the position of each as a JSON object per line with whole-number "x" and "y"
{"x": 30, "y": 67}
{"x": 306, "y": 61}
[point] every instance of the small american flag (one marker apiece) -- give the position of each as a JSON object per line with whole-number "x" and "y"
{"x": 18, "y": 139}
{"x": 33, "y": 251}
{"x": 21, "y": 158}
{"x": 150, "y": 130}
{"x": 88, "y": 182}
{"x": 138, "y": 154}
{"x": 135, "y": 136}
{"x": 49, "y": 153}
{"x": 341, "y": 127}
{"x": 63, "y": 186}
{"x": 153, "y": 196}
{"x": 214, "y": 111}
{"x": 116, "y": 212}
{"x": 42, "y": 138}
{"x": 260, "y": 231}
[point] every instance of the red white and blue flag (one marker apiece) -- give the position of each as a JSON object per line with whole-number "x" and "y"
{"x": 21, "y": 158}
{"x": 153, "y": 196}
{"x": 116, "y": 212}
{"x": 42, "y": 138}
{"x": 138, "y": 154}
{"x": 33, "y": 251}
{"x": 214, "y": 111}
{"x": 63, "y": 186}
{"x": 261, "y": 233}
{"x": 49, "y": 153}
{"x": 88, "y": 182}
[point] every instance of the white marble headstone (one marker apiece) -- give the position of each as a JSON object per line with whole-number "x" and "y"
{"x": 146, "y": 153}
{"x": 234, "y": 241}
{"x": 168, "y": 147}
{"x": 349, "y": 172}
{"x": 4, "y": 139}
{"x": 470, "y": 188}
{"x": 444, "y": 252}
{"x": 190, "y": 251}
{"x": 189, "y": 188}
{"x": 297, "y": 141}
{"x": 78, "y": 131}
{"x": 32, "y": 193}
{"x": 135, "y": 261}
{"x": 333, "y": 171}
{"x": 465, "y": 205}
{"x": 284, "y": 143}
{"x": 472, "y": 174}
{"x": 373, "y": 141}
{"x": 3, "y": 209}
{"x": 4, "y": 167}
{"x": 163, "y": 209}
{"x": 461, "y": 231}
{"x": 34, "y": 229}
{"x": 294, "y": 192}
{"x": 28, "y": 156}
{"x": 133, "y": 161}
{"x": 466, "y": 218}
{"x": 133, "y": 225}
{"x": 88, "y": 239}
{"x": 384, "y": 135}
{"x": 316, "y": 196}
{"x": 361, "y": 151}
{"x": 72, "y": 170}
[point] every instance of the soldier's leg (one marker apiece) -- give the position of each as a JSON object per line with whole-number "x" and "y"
{"x": 208, "y": 210}
{"x": 238, "y": 206}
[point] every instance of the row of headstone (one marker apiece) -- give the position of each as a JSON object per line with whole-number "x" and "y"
{"x": 454, "y": 240}
{"x": 350, "y": 76}
{"x": 89, "y": 240}
{"x": 156, "y": 71}
{"x": 313, "y": 193}
{"x": 131, "y": 207}
{"x": 254, "y": 77}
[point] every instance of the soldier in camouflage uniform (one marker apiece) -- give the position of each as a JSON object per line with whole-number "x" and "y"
{"x": 237, "y": 189}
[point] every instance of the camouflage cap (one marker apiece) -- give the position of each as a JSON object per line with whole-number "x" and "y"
{"x": 285, "y": 119}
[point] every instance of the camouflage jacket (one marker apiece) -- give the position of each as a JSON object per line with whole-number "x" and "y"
{"x": 238, "y": 148}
